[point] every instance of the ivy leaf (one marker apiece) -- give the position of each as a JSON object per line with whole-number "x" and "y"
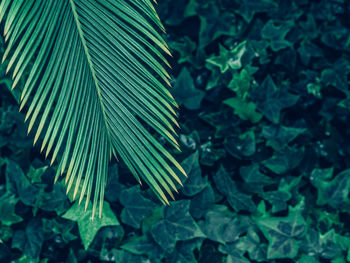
{"x": 184, "y": 252}
{"x": 185, "y": 91}
{"x": 279, "y": 198}
{"x": 34, "y": 194}
{"x": 60, "y": 227}
{"x": 278, "y": 136}
{"x": 185, "y": 49}
{"x": 335, "y": 37}
{"x": 202, "y": 202}
{"x": 176, "y": 225}
{"x": 272, "y": 100}
{"x": 285, "y": 161}
{"x": 175, "y": 12}
{"x": 336, "y": 76}
{"x": 19, "y": 184}
{"x": 30, "y": 240}
{"x": 136, "y": 207}
{"x": 210, "y": 155}
{"x": 194, "y": 183}
{"x": 243, "y": 146}
{"x": 113, "y": 187}
{"x": 252, "y": 244}
{"x": 245, "y": 110}
{"x": 122, "y": 256}
{"x": 308, "y": 50}
{"x": 214, "y": 24}
{"x": 221, "y": 225}
{"x": 55, "y": 200}
{"x": 238, "y": 258}
{"x": 11, "y": 130}
{"x": 333, "y": 192}
{"x": 248, "y": 9}
{"x": 241, "y": 83}
{"x": 237, "y": 199}
{"x": 307, "y": 259}
{"x": 276, "y": 34}
{"x": 325, "y": 246}
{"x": 223, "y": 121}
{"x": 88, "y": 228}
{"x": 283, "y": 233}
{"x": 144, "y": 245}
{"x": 35, "y": 174}
{"x": 7, "y": 207}
{"x": 234, "y": 254}
{"x": 191, "y": 8}
{"x": 228, "y": 58}
{"x": 255, "y": 180}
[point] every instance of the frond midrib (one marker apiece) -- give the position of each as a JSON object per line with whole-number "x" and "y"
{"x": 89, "y": 60}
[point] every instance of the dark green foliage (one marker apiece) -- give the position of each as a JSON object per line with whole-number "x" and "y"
{"x": 264, "y": 92}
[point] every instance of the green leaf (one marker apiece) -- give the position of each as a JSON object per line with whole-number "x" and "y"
{"x": 18, "y": 183}
{"x": 214, "y": 24}
{"x": 237, "y": 199}
{"x": 307, "y": 259}
{"x": 122, "y": 256}
{"x": 279, "y": 198}
{"x": 243, "y": 146}
{"x": 60, "y": 227}
{"x": 113, "y": 187}
{"x": 283, "y": 233}
{"x": 255, "y": 180}
{"x": 34, "y": 194}
{"x": 221, "y": 225}
{"x": 253, "y": 245}
{"x": 176, "y": 225}
{"x": 276, "y": 34}
{"x": 202, "y": 202}
{"x": 7, "y": 207}
{"x": 175, "y": 11}
{"x": 35, "y": 174}
{"x": 185, "y": 49}
{"x": 94, "y": 82}
{"x": 195, "y": 183}
{"x": 325, "y": 246}
{"x": 336, "y": 76}
{"x": 191, "y": 8}
{"x": 136, "y": 207}
{"x": 333, "y": 192}
{"x": 228, "y": 58}
{"x": 248, "y": 9}
{"x": 285, "y": 161}
{"x": 278, "y": 136}
{"x": 55, "y": 200}
{"x": 183, "y": 252}
{"x": 237, "y": 259}
{"x": 244, "y": 110}
{"x": 144, "y": 245}
{"x": 223, "y": 121}
{"x": 30, "y": 240}
{"x": 241, "y": 83}
{"x": 88, "y": 228}
{"x": 308, "y": 50}
{"x": 271, "y": 100}
{"x": 210, "y": 155}
{"x": 185, "y": 91}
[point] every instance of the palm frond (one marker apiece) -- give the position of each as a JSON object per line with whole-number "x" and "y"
{"x": 95, "y": 75}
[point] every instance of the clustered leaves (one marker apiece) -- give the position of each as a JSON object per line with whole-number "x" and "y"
{"x": 264, "y": 115}
{"x": 94, "y": 74}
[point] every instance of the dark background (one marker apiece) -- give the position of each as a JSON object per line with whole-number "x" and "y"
{"x": 264, "y": 116}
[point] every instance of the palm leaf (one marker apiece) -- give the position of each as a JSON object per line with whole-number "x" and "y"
{"x": 95, "y": 77}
